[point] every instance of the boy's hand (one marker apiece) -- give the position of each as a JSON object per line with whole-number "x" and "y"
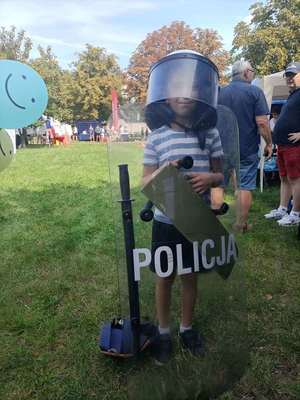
{"x": 201, "y": 181}
{"x": 175, "y": 163}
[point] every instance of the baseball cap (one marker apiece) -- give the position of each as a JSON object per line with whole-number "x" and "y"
{"x": 292, "y": 68}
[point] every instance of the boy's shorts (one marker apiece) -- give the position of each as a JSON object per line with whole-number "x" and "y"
{"x": 248, "y": 172}
{"x": 167, "y": 235}
{"x": 288, "y": 159}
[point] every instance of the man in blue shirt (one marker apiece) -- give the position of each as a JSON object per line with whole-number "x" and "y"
{"x": 251, "y": 110}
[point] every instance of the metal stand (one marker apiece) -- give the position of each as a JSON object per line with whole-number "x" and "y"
{"x": 133, "y": 290}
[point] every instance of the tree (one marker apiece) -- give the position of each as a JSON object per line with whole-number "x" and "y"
{"x": 95, "y": 74}
{"x": 159, "y": 43}
{"x": 156, "y": 45}
{"x": 209, "y": 43}
{"x": 59, "y": 84}
{"x": 272, "y": 38}
{"x": 14, "y": 45}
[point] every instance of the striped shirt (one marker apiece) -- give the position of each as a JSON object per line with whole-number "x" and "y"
{"x": 165, "y": 144}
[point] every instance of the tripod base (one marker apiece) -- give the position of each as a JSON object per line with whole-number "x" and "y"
{"x": 117, "y": 338}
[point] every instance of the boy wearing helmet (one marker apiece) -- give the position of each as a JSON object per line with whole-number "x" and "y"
{"x": 181, "y": 111}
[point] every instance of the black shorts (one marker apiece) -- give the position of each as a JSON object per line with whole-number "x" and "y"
{"x": 167, "y": 235}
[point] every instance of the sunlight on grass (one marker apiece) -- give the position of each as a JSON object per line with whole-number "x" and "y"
{"x": 60, "y": 223}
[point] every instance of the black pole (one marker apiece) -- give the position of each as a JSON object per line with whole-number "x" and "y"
{"x": 133, "y": 289}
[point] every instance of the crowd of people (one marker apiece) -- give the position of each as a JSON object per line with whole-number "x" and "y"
{"x": 286, "y": 135}
{"x": 252, "y": 112}
{"x": 93, "y": 134}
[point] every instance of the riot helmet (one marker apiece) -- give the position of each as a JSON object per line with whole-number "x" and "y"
{"x": 183, "y": 74}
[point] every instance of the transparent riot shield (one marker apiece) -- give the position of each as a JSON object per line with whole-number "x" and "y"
{"x": 197, "y": 253}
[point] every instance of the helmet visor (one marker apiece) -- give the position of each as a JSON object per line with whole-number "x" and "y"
{"x": 192, "y": 77}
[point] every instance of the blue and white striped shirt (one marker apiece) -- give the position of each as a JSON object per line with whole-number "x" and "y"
{"x": 165, "y": 144}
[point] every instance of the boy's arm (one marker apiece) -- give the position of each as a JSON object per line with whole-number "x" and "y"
{"x": 216, "y": 166}
{"x": 147, "y": 173}
{"x": 202, "y": 181}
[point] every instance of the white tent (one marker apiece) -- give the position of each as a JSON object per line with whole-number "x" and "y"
{"x": 275, "y": 88}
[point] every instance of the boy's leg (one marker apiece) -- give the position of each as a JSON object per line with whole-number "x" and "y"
{"x": 217, "y": 197}
{"x": 190, "y": 338}
{"x": 188, "y": 298}
{"x": 163, "y": 292}
{"x": 162, "y": 345}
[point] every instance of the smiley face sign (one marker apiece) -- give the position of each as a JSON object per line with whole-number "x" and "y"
{"x": 23, "y": 95}
{"x": 6, "y": 149}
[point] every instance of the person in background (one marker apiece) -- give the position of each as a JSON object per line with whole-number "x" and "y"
{"x": 74, "y": 133}
{"x": 102, "y": 134}
{"x": 249, "y": 105}
{"x": 91, "y": 134}
{"x": 97, "y": 133}
{"x": 287, "y": 138}
{"x": 275, "y": 111}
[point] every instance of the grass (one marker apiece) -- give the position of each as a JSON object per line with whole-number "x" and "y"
{"x": 59, "y": 248}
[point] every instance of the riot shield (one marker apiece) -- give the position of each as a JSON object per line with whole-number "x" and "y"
{"x": 6, "y": 149}
{"x": 208, "y": 256}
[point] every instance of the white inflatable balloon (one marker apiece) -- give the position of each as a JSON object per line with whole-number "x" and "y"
{"x": 6, "y": 149}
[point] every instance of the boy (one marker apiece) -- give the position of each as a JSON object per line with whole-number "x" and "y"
{"x": 181, "y": 108}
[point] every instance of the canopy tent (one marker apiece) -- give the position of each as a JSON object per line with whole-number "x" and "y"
{"x": 275, "y": 88}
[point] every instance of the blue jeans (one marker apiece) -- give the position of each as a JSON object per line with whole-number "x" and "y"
{"x": 248, "y": 172}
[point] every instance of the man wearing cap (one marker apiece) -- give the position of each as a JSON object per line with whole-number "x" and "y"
{"x": 251, "y": 110}
{"x": 287, "y": 137}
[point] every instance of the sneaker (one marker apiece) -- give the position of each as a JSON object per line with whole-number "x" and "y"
{"x": 192, "y": 341}
{"x": 162, "y": 348}
{"x": 276, "y": 214}
{"x": 288, "y": 220}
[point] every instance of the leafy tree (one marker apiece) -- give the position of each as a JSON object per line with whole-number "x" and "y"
{"x": 59, "y": 84}
{"x": 159, "y": 43}
{"x": 272, "y": 38}
{"x": 14, "y": 45}
{"x": 209, "y": 43}
{"x": 95, "y": 74}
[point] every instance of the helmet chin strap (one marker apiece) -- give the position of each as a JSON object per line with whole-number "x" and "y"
{"x": 186, "y": 128}
{"x": 201, "y": 135}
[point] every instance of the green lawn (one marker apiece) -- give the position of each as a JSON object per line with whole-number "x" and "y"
{"x": 59, "y": 281}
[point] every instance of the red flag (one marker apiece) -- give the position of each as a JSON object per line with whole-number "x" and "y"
{"x": 115, "y": 110}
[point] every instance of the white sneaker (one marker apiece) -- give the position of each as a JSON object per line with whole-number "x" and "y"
{"x": 276, "y": 214}
{"x": 289, "y": 220}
